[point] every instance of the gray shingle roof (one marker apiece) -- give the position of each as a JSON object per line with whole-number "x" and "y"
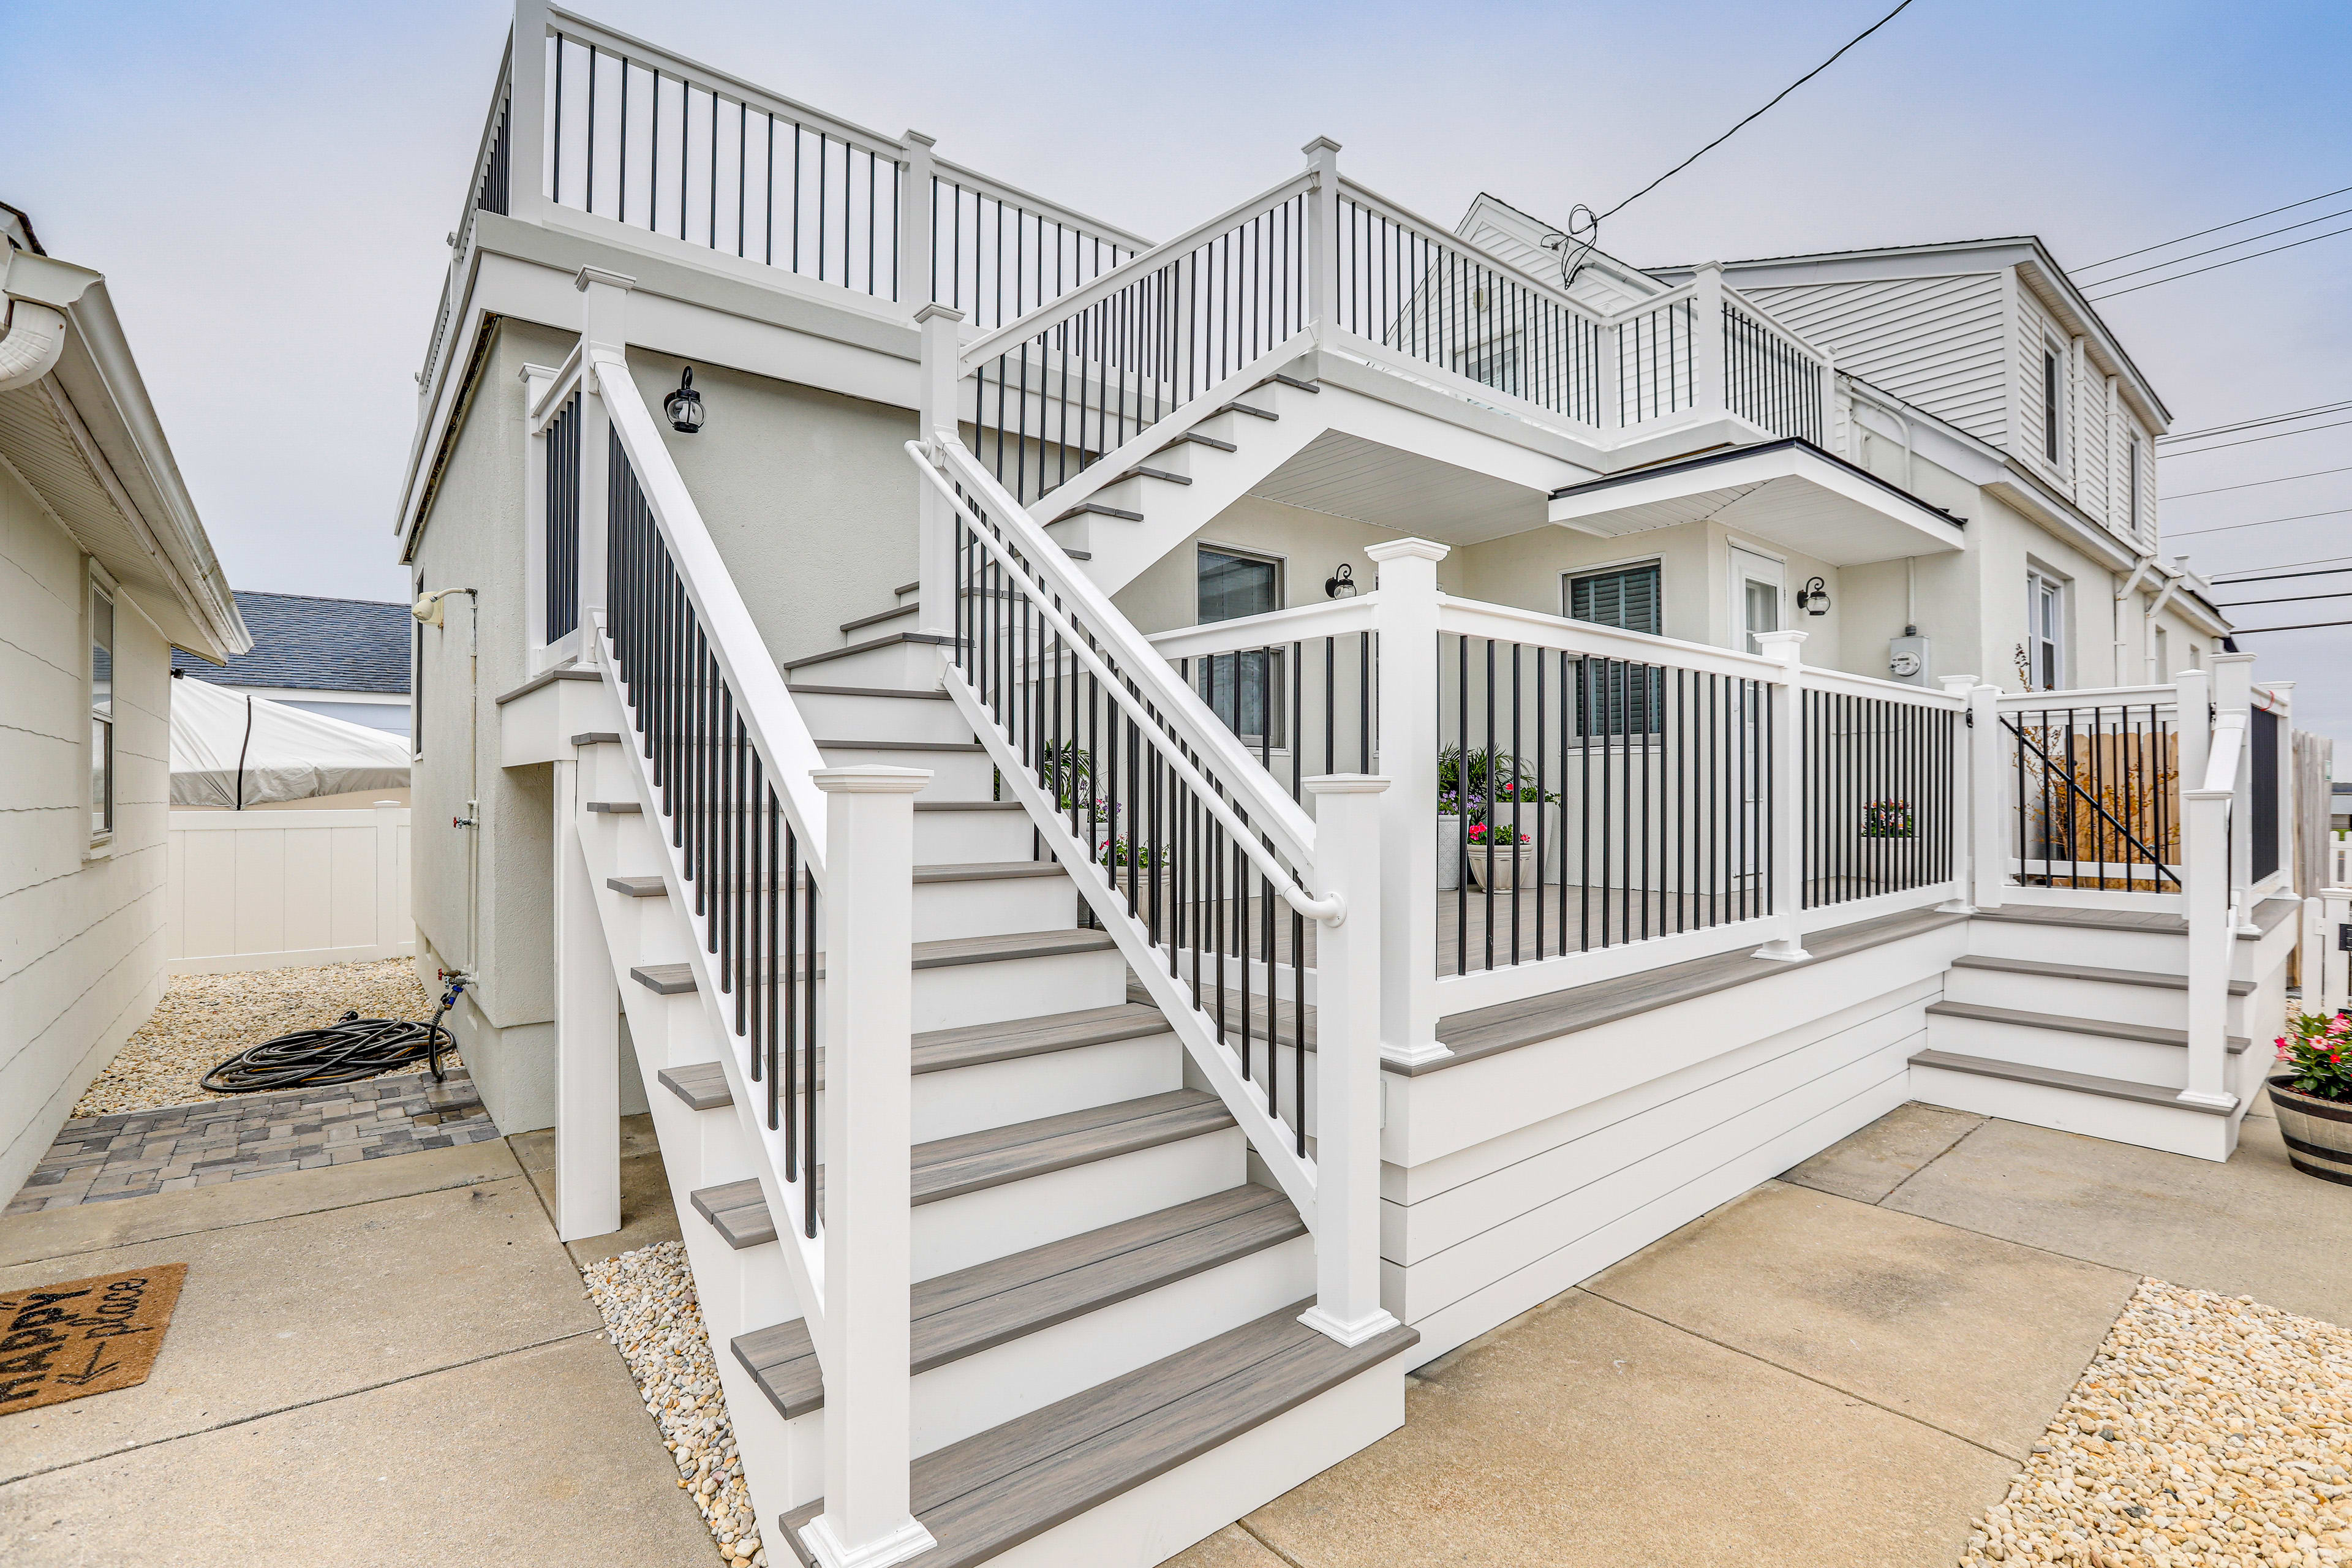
{"x": 315, "y": 645}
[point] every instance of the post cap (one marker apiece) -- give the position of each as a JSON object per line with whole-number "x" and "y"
{"x": 919, "y": 140}
{"x": 870, "y": 780}
{"x": 1409, "y": 550}
{"x": 1344, "y": 784}
{"x": 587, "y": 275}
{"x": 1788, "y": 639}
{"x": 935, "y": 310}
{"x": 1320, "y": 144}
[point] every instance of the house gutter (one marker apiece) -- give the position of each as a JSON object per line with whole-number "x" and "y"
{"x": 38, "y": 290}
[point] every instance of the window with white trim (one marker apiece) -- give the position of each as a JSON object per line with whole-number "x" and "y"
{"x": 2045, "y": 632}
{"x": 1626, "y": 598}
{"x": 1245, "y": 688}
{"x": 2131, "y": 492}
{"x": 101, "y": 709}
{"x": 2052, "y": 383}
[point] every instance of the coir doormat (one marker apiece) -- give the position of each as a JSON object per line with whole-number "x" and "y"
{"x": 84, "y": 1336}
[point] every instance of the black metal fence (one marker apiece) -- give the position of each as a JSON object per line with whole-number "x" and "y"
{"x": 1305, "y": 706}
{"x": 2098, "y": 795}
{"x": 562, "y": 542}
{"x": 753, "y": 900}
{"x": 1768, "y": 379}
{"x": 1878, "y": 796}
{"x": 2262, "y": 734}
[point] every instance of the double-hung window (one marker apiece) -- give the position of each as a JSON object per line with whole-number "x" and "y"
{"x": 1614, "y": 697}
{"x": 2045, "y": 632}
{"x": 101, "y": 710}
{"x": 1245, "y": 688}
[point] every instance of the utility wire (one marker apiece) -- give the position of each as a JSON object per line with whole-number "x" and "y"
{"x": 2250, "y": 484}
{"x": 2217, "y": 249}
{"x": 2302, "y": 626}
{"x": 2237, "y": 425}
{"x": 2160, "y": 282}
{"x": 1777, "y": 96}
{"x": 2232, "y": 527}
{"x": 2290, "y": 599}
{"x": 2280, "y": 576}
{"x": 2217, "y": 228}
{"x": 2274, "y": 435}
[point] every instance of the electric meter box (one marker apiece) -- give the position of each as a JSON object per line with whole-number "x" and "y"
{"x": 1908, "y": 661}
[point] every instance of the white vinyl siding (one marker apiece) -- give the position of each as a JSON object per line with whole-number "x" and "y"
{"x": 1515, "y": 239}
{"x": 1935, "y": 342}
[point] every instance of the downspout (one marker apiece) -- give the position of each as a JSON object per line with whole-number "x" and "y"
{"x": 35, "y": 337}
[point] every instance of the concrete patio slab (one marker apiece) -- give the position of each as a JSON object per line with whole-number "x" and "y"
{"x": 1587, "y": 1434}
{"x": 526, "y": 1457}
{"x": 1231, "y": 1547}
{"x": 58, "y": 1232}
{"x": 648, "y": 1213}
{"x": 1880, "y": 1158}
{"x": 285, "y": 1312}
{"x": 1972, "y": 1336}
{"x": 2252, "y": 1227}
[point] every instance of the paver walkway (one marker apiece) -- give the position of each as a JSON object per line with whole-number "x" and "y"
{"x": 130, "y": 1154}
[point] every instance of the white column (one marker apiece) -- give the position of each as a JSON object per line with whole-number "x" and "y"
{"x": 1964, "y": 742}
{"x": 2205, "y": 837}
{"x": 1323, "y": 238}
{"x": 587, "y": 1034}
{"x": 603, "y": 324}
{"x": 1992, "y": 826}
{"x": 2234, "y": 692}
{"x": 527, "y": 110}
{"x": 1710, "y": 396}
{"x": 869, "y": 921}
{"x": 1348, "y": 851}
{"x": 1784, "y": 793}
{"x": 935, "y": 522}
{"x": 536, "y": 380}
{"x": 2289, "y": 850}
{"x": 916, "y": 204}
{"x": 1406, "y": 616}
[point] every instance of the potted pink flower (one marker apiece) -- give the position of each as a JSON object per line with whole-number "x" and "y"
{"x": 2313, "y": 1094}
{"x": 1500, "y": 859}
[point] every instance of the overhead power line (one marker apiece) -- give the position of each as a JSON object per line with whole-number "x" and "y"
{"x": 1743, "y": 125}
{"x": 2232, "y": 527}
{"x": 2302, "y": 626}
{"x": 2290, "y": 599}
{"x": 2280, "y": 568}
{"x": 2280, "y": 576}
{"x": 2250, "y": 484}
{"x": 2214, "y": 267}
{"x": 2217, "y": 249}
{"x": 2274, "y": 435}
{"x": 2217, "y": 228}
{"x": 2237, "y": 425}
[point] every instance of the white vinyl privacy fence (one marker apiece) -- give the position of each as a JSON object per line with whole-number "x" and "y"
{"x": 278, "y": 890}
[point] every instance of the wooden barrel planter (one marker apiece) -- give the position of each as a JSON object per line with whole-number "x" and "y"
{"x": 2317, "y": 1133}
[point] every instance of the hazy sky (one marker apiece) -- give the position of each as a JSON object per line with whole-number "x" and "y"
{"x": 267, "y": 187}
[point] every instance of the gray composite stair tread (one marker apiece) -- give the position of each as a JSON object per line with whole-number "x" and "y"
{"x": 596, "y": 738}
{"x": 668, "y": 978}
{"x": 1195, "y": 437}
{"x": 616, "y": 807}
{"x": 989, "y": 1304}
{"x": 849, "y": 628}
{"x": 967, "y": 805}
{"x": 2058, "y": 1078}
{"x": 974, "y": 1162}
{"x": 1288, "y": 380}
{"x": 2089, "y": 972}
{"x": 1141, "y": 472}
{"x": 2268, "y": 915}
{"x": 989, "y": 1493}
{"x": 1238, "y": 406}
{"x": 892, "y": 639}
{"x": 2105, "y": 1029}
{"x": 975, "y": 1044}
{"x": 935, "y": 695}
{"x": 1103, "y": 509}
{"x": 638, "y": 887}
{"x": 702, "y": 1085}
{"x": 899, "y": 746}
{"x": 913, "y": 587}
{"x": 987, "y": 870}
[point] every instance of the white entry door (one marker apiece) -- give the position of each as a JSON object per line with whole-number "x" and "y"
{"x": 1758, "y": 582}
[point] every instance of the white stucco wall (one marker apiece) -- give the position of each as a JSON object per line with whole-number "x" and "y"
{"x": 81, "y": 932}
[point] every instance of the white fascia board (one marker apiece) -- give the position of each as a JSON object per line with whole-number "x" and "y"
{"x": 1747, "y": 470}
{"x": 307, "y": 693}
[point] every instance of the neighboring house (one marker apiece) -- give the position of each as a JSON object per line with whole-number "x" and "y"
{"x": 104, "y": 571}
{"x": 1239, "y": 603}
{"x": 347, "y": 658}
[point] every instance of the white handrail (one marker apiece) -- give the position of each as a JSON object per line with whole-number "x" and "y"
{"x": 1766, "y": 319}
{"x": 1178, "y": 708}
{"x": 542, "y": 412}
{"x": 1021, "y": 329}
{"x": 1439, "y": 235}
{"x": 2091, "y": 696}
{"x": 770, "y": 717}
{"x": 1475, "y": 617}
{"x": 1821, "y": 679}
{"x": 1335, "y": 619}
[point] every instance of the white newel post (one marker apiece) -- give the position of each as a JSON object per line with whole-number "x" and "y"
{"x": 1963, "y": 800}
{"x": 2205, "y": 831}
{"x": 934, "y": 520}
{"x": 869, "y": 922}
{"x": 917, "y": 201}
{"x": 1348, "y": 853}
{"x": 1709, "y": 394}
{"x": 1405, "y": 615}
{"x": 536, "y": 380}
{"x": 1323, "y": 238}
{"x": 603, "y": 324}
{"x": 1989, "y": 828}
{"x": 1785, "y": 793}
{"x": 2334, "y": 986}
{"x": 527, "y": 113}
{"x": 2234, "y": 692}
{"x": 2283, "y": 772}
{"x": 587, "y": 1032}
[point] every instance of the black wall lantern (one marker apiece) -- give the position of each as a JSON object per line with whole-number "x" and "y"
{"x": 684, "y": 406}
{"x": 1813, "y": 598}
{"x": 1341, "y": 583}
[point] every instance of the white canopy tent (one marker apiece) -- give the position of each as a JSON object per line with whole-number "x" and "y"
{"x": 235, "y": 751}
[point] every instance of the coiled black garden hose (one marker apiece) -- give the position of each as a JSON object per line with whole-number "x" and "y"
{"x": 346, "y": 1051}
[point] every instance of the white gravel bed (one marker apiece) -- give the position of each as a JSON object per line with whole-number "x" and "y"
{"x": 650, "y": 1307}
{"x": 205, "y": 1019}
{"x": 2209, "y": 1430}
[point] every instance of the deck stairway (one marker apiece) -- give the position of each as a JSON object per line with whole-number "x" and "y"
{"x": 1107, "y": 1361}
{"x": 2077, "y": 1019}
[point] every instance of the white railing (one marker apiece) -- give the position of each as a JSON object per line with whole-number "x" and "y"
{"x": 2091, "y": 780}
{"x": 280, "y": 889}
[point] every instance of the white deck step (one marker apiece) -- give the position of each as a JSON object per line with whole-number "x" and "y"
{"x": 2149, "y": 1115}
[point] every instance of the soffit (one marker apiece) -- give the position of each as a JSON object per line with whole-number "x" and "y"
{"x": 1347, "y": 476}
